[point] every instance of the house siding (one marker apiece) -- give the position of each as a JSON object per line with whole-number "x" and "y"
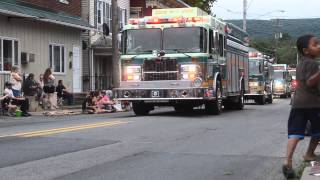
{"x": 35, "y": 37}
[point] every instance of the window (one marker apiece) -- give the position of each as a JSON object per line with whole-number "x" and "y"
{"x": 57, "y": 58}
{"x": 122, "y": 17}
{"x": 64, "y": 1}
{"x": 8, "y": 54}
{"x": 211, "y": 41}
{"x": 104, "y": 15}
{"x": 221, "y": 45}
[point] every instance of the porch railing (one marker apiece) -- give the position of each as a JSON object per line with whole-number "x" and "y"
{"x": 3, "y": 78}
{"x": 98, "y": 82}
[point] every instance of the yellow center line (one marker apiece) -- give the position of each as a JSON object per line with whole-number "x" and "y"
{"x": 66, "y": 129}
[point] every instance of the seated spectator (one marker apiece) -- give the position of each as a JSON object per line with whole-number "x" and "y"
{"x": 30, "y": 86}
{"x": 90, "y": 103}
{"x": 21, "y": 102}
{"x": 7, "y": 106}
{"x": 104, "y": 102}
{"x": 62, "y": 92}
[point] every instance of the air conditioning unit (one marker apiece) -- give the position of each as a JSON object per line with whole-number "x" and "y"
{"x": 27, "y": 57}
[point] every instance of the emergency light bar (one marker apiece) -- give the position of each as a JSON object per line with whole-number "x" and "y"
{"x": 178, "y": 12}
{"x": 156, "y": 20}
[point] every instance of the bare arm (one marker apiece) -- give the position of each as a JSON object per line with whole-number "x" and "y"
{"x": 313, "y": 80}
{"x": 16, "y": 77}
{"x": 3, "y": 97}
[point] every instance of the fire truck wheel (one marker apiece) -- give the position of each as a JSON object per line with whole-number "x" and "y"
{"x": 262, "y": 100}
{"x": 215, "y": 107}
{"x": 140, "y": 108}
{"x": 270, "y": 99}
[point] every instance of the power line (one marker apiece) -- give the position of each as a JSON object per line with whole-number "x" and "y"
{"x": 250, "y": 3}
{"x": 228, "y": 10}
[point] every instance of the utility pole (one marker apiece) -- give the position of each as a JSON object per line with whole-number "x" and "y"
{"x": 245, "y": 4}
{"x": 278, "y": 35}
{"x": 115, "y": 48}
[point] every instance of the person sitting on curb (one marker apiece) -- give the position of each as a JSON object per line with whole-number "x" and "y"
{"x": 91, "y": 102}
{"x": 62, "y": 92}
{"x": 104, "y": 103}
{"x": 21, "y": 102}
{"x": 30, "y": 86}
{"x": 6, "y": 105}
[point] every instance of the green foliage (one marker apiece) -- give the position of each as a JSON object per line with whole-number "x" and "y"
{"x": 284, "y": 49}
{"x": 262, "y": 33}
{"x": 267, "y": 28}
{"x": 202, "y": 4}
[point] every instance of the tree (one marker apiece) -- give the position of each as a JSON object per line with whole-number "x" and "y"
{"x": 202, "y": 4}
{"x": 286, "y": 51}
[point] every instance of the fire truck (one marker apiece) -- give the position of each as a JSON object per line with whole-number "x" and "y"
{"x": 183, "y": 58}
{"x": 293, "y": 84}
{"x": 282, "y": 81}
{"x": 260, "y": 78}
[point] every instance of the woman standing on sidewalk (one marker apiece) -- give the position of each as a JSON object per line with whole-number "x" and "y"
{"x": 306, "y": 102}
{"x": 15, "y": 80}
{"x": 49, "y": 88}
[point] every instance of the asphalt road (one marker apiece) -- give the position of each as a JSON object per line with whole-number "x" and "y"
{"x": 246, "y": 145}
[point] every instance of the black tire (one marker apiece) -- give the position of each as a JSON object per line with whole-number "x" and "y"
{"x": 178, "y": 108}
{"x": 262, "y": 100}
{"x": 215, "y": 107}
{"x": 140, "y": 108}
{"x": 270, "y": 99}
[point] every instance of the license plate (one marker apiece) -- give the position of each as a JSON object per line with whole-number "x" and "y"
{"x": 155, "y": 94}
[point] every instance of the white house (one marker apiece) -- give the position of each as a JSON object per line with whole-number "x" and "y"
{"x": 97, "y": 56}
{"x": 36, "y": 35}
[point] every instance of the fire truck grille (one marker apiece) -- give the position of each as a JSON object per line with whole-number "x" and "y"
{"x": 160, "y": 69}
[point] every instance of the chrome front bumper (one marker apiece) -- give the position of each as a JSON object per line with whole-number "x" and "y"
{"x": 165, "y": 91}
{"x": 161, "y": 94}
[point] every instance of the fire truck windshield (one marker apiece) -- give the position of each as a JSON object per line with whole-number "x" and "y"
{"x": 186, "y": 39}
{"x": 255, "y": 67}
{"x": 139, "y": 41}
{"x": 278, "y": 75}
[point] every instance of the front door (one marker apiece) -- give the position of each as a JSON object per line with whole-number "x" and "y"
{"x": 76, "y": 69}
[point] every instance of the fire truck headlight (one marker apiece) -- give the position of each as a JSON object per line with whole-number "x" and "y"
{"x": 189, "y": 71}
{"x": 133, "y": 73}
{"x": 254, "y": 84}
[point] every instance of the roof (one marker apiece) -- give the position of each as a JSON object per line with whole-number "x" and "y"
{"x": 11, "y": 7}
{"x": 185, "y": 4}
{"x": 175, "y": 3}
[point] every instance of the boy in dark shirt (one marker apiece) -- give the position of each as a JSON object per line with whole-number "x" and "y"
{"x": 306, "y": 102}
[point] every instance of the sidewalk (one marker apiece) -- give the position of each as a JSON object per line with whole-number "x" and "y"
{"x": 307, "y": 176}
{"x": 67, "y": 110}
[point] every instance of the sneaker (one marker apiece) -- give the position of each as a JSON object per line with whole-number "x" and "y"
{"x": 288, "y": 172}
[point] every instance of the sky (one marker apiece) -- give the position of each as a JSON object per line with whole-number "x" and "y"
{"x": 268, "y": 9}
